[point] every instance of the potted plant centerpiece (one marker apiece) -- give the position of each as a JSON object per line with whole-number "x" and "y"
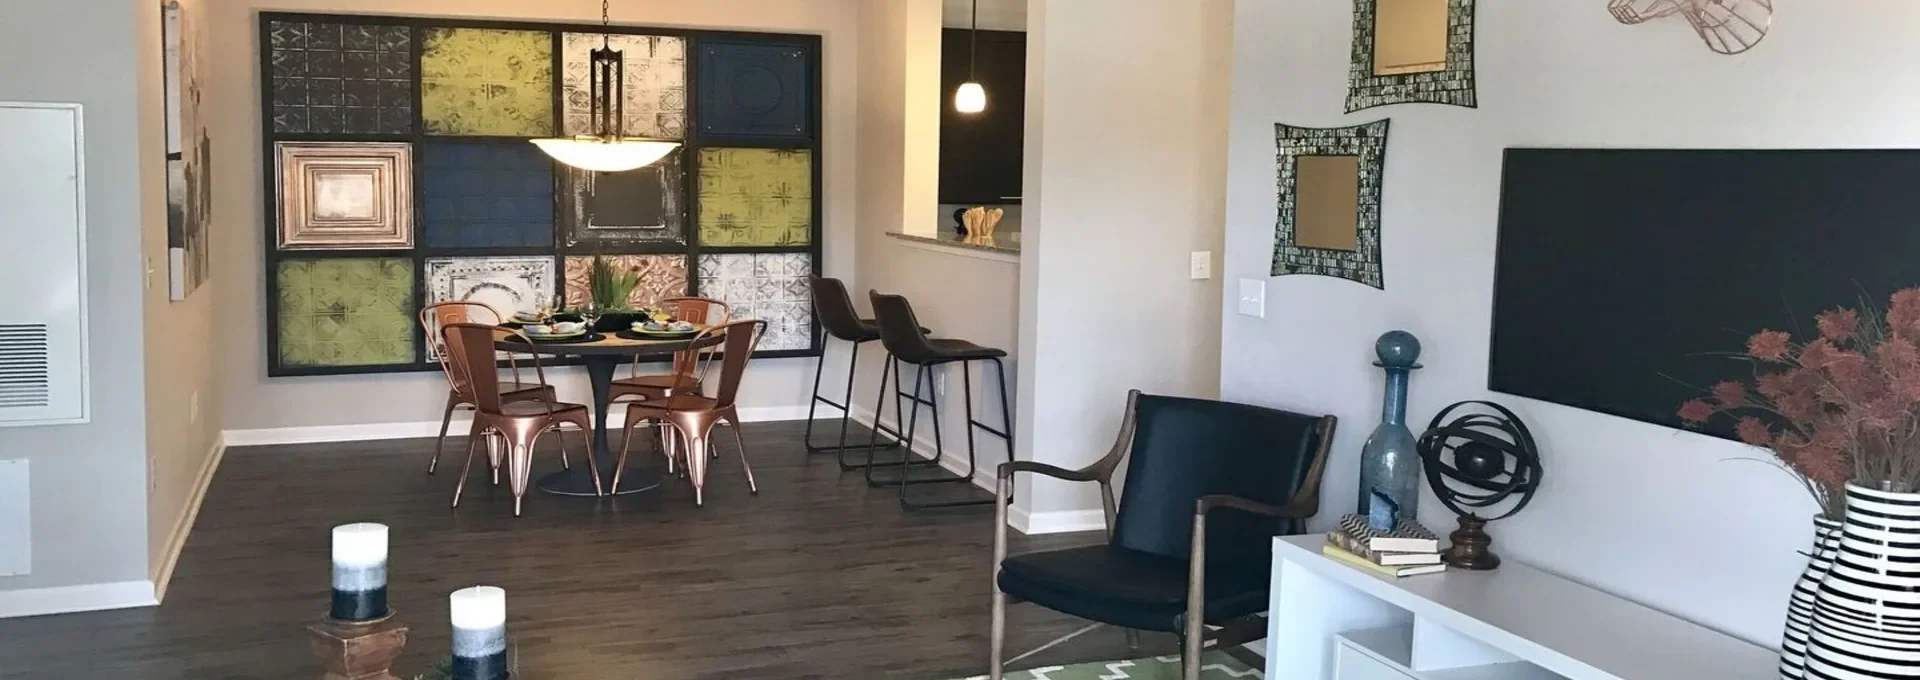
{"x": 1841, "y": 412}
{"x": 610, "y": 294}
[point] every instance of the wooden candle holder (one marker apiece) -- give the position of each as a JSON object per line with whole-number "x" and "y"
{"x": 350, "y": 650}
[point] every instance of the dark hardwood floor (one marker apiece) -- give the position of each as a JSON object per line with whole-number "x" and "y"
{"x": 816, "y": 577}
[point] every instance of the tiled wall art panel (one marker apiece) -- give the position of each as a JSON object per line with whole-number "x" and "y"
{"x": 344, "y": 195}
{"x": 345, "y": 312}
{"x": 486, "y": 195}
{"x": 770, "y": 286}
{"x": 656, "y": 83}
{"x": 661, "y": 276}
{"x": 477, "y": 81}
{"x": 640, "y": 206}
{"x": 1454, "y": 84}
{"x": 507, "y": 284}
{"x": 341, "y": 78}
{"x": 756, "y": 197}
{"x": 1360, "y": 263}
{"x": 755, "y": 89}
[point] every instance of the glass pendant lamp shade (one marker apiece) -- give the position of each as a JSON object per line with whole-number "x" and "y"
{"x": 970, "y": 98}
{"x": 608, "y": 149}
{"x": 606, "y": 155}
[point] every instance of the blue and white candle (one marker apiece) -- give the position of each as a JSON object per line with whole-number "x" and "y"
{"x": 359, "y": 572}
{"x": 479, "y": 617}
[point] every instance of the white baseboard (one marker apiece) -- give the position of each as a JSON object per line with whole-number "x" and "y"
{"x": 372, "y": 431}
{"x": 1057, "y": 522}
{"x": 69, "y": 599}
{"x": 177, "y": 539}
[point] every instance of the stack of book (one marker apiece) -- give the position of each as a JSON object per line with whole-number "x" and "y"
{"x": 1408, "y": 550}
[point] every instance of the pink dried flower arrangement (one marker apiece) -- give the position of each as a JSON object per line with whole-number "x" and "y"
{"x": 1839, "y": 407}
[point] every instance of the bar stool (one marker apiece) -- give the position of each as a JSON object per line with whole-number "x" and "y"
{"x": 907, "y": 342}
{"x": 838, "y": 319}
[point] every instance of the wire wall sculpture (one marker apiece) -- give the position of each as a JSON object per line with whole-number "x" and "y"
{"x": 1727, "y": 26}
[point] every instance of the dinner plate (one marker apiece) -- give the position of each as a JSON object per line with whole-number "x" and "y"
{"x": 582, "y": 336}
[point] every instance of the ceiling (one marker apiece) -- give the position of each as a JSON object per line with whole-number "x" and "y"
{"x": 999, "y": 15}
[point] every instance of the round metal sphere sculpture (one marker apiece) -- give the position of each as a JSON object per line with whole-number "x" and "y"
{"x": 1475, "y": 462}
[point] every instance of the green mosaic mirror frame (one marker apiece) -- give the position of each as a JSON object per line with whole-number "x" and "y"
{"x": 496, "y": 223}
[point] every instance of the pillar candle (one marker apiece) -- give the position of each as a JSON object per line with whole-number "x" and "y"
{"x": 479, "y": 617}
{"x": 359, "y": 572}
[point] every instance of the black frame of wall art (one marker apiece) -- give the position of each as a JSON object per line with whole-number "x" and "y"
{"x": 693, "y": 142}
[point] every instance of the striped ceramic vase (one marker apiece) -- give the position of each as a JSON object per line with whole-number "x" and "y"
{"x": 1866, "y": 615}
{"x": 1793, "y": 646}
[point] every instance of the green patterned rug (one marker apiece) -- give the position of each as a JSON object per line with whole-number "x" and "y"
{"x": 1218, "y": 666}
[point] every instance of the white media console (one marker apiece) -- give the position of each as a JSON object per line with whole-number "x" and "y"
{"x": 1331, "y": 621}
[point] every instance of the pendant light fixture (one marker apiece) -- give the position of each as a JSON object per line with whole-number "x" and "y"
{"x": 607, "y": 148}
{"x": 971, "y": 97}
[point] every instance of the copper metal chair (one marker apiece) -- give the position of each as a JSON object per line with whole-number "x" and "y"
{"x": 516, "y": 425}
{"x": 692, "y": 417}
{"x": 704, "y": 311}
{"x": 432, "y": 318}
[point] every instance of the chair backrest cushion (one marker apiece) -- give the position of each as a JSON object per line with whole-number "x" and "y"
{"x": 834, "y": 307}
{"x": 900, "y": 328}
{"x": 1187, "y": 448}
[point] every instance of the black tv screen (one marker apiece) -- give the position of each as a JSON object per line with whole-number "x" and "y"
{"x": 1625, "y": 276}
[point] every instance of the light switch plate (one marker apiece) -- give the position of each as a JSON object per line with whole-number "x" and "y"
{"x": 1201, "y": 265}
{"x": 1253, "y": 298}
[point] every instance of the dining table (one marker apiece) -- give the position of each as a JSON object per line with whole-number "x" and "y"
{"x": 602, "y": 353}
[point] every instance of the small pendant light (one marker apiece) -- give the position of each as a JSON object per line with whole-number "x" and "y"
{"x": 971, "y": 97}
{"x": 608, "y": 148}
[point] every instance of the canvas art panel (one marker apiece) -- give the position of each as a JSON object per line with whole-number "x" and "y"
{"x": 661, "y": 277}
{"x": 655, "y": 83}
{"x": 189, "y": 154}
{"x": 345, "y": 195}
{"x": 770, "y": 286}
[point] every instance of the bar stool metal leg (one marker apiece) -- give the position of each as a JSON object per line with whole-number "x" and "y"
{"x": 891, "y": 366}
{"x": 846, "y": 412}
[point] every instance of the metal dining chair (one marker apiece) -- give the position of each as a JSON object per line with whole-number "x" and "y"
{"x": 515, "y": 425}
{"x": 703, "y": 311}
{"x": 440, "y": 314}
{"x": 691, "y": 417}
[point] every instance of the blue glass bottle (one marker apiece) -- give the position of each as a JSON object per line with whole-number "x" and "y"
{"x": 1388, "y": 462}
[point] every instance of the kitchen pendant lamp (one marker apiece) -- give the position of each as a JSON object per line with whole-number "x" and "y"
{"x": 971, "y": 97}
{"x": 608, "y": 149}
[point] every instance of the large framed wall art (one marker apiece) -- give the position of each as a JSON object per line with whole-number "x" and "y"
{"x": 399, "y": 173}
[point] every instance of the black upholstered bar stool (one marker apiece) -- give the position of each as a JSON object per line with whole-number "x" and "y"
{"x": 907, "y": 342}
{"x": 838, "y": 319}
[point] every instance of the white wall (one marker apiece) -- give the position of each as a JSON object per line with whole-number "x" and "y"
{"x": 1124, "y": 164}
{"x": 251, "y": 400}
{"x": 1649, "y": 513}
{"x": 89, "y": 493}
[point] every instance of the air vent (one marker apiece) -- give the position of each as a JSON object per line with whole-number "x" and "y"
{"x": 23, "y": 365}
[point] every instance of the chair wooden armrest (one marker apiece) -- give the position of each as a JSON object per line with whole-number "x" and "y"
{"x": 1288, "y": 511}
{"x": 1088, "y": 474}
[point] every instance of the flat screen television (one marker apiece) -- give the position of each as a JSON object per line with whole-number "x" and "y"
{"x": 1624, "y": 277}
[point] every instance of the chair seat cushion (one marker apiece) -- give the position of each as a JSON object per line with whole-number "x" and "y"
{"x": 682, "y": 402}
{"x": 1129, "y": 588}
{"x": 536, "y": 408}
{"x": 950, "y": 348}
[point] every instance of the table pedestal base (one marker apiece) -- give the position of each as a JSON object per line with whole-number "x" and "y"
{"x": 579, "y": 482}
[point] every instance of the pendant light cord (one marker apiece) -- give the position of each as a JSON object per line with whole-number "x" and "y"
{"x": 606, "y": 24}
{"x": 973, "y": 41}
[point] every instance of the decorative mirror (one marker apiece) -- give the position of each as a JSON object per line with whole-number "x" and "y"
{"x": 1409, "y": 51}
{"x": 1329, "y": 217}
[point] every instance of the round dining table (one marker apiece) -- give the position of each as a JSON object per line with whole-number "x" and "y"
{"x": 602, "y": 356}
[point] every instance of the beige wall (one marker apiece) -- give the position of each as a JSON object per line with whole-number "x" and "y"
{"x": 250, "y": 400}
{"x": 1125, "y": 168}
{"x": 956, "y": 295}
{"x": 89, "y": 496}
{"x": 182, "y": 408}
